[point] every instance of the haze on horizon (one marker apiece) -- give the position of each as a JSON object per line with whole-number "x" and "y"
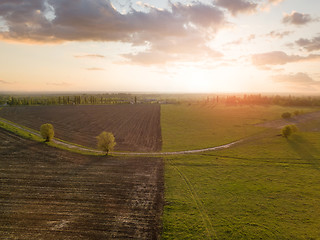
{"x": 160, "y": 46}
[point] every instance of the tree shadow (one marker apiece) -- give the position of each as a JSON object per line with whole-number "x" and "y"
{"x": 305, "y": 150}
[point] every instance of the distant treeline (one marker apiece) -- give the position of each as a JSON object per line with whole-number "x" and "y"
{"x": 65, "y": 100}
{"x": 258, "y": 99}
{"x": 274, "y": 100}
{"x": 126, "y": 98}
{"x": 83, "y": 99}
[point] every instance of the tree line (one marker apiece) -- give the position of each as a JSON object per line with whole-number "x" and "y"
{"x": 84, "y": 99}
{"x": 274, "y": 100}
{"x": 126, "y": 98}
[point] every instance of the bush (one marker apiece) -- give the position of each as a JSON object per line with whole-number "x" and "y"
{"x": 286, "y": 115}
{"x": 47, "y": 131}
{"x": 294, "y": 128}
{"x": 288, "y": 130}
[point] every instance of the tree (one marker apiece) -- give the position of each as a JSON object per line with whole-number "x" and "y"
{"x": 106, "y": 141}
{"x": 288, "y": 130}
{"x": 47, "y": 131}
{"x": 286, "y": 115}
{"x": 294, "y": 128}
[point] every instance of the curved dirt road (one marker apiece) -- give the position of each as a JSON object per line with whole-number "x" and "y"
{"x": 71, "y": 146}
{"x": 279, "y": 123}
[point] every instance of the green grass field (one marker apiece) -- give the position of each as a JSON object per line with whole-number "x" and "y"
{"x": 262, "y": 189}
{"x": 186, "y": 127}
{"x": 267, "y": 187}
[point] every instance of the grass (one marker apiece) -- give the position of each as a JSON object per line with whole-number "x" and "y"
{"x": 197, "y": 126}
{"x": 20, "y": 132}
{"x": 268, "y": 188}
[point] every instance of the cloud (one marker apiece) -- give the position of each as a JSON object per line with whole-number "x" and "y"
{"x": 275, "y": 2}
{"x": 279, "y": 34}
{"x": 297, "y": 80}
{"x": 296, "y": 18}
{"x": 309, "y": 45}
{"x": 237, "y": 6}
{"x": 95, "y": 69}
{"x": 242, "y": 40}
{"x": 4, "y": 82}
{"x": 161, "y": 31}
{"x": 89, "y": 56}
{"x": 59, "y": 84}
{"x": 97, "y": 20}
{"x": 265, "y": 6}
{"x": 280, "y": 58}
{"x": 170, "y": 49}
{"x": 160, "y": 57}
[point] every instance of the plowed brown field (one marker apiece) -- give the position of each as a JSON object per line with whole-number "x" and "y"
{"x": 136, "y": 127}
{"x": 47, "y": 193}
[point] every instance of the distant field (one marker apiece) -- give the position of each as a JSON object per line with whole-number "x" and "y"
{"x": 46, "y": 193}
{"x": 200, "y": 126}
{"x": 136, "y": 127}
{"x": 266, "y": 187}
{"x": 263, "y": 189}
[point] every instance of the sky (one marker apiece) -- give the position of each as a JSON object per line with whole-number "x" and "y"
{"x": 265, "y": 46}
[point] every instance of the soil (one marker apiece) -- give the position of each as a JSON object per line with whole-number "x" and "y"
{"x": 136, "y": 127}
{"x": 47, "y": 193}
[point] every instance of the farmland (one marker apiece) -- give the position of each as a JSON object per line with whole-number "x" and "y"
{"x": 264, "y": 188}
{"x": 47, "y": 193}
{"x": 199, "y": 126}
{"x": 136, "y": 127}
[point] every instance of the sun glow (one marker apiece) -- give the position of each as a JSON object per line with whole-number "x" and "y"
{"x": 222, "y": 79}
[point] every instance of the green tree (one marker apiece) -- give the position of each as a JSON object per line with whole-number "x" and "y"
{"x": 289, "y": 130}
{"x": 286, "y": 131}
{"x": 106, "y": 141}
{"x": 47, "y": 131}
{"x": 294, "y": 128}
{"x": 286, "y": 115}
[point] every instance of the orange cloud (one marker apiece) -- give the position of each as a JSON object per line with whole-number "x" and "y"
{"x": 4, "y": 82}
{"x": 280, "y": 58}
{"x": 58, "y": 84}
{"x": 95, "y": 69}
{"x": 89, "y": 56}
{"x": 279, "y": 34}
{"x": 298, "y": 80}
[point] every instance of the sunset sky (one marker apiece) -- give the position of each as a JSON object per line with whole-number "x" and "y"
{"x": 160, "y": 46}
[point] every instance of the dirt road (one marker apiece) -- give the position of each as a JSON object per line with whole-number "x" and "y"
{"x": 278, "y": 124}
{"x": 71, "y": 146}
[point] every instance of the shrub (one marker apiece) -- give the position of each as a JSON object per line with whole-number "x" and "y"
{"x": 288, "y": 130}
{"x": 294, "y": 128}
{"x": 286, "y": 115}
{"x": 47, "y": 131}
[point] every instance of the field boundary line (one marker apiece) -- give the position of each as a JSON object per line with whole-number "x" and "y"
{"x": 83, "y": 148}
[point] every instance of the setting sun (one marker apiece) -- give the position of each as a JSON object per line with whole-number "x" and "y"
{"x": 160, "y": 119}
{"x": 160, "y": 46}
